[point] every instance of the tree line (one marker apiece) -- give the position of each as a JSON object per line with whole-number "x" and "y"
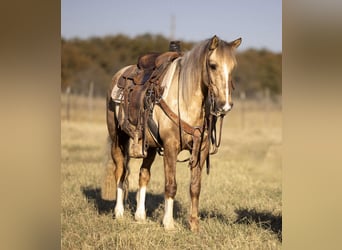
{"x": 95, "y": 60}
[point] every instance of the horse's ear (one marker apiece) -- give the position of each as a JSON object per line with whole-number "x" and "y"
{"x": 236, "y": 43}
{"x": 214, "y": 43}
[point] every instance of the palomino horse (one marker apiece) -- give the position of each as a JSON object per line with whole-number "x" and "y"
{"x": 197, "y": 86}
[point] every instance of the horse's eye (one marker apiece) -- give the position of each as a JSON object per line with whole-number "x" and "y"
{"x": 213, "y": 66}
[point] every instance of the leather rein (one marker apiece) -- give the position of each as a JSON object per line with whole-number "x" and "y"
{"x": 197, "y": 132}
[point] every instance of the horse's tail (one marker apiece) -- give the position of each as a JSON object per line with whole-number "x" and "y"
{"x": 108, "y": 186}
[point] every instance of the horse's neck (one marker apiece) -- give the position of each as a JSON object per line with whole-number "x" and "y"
{"x": 191, "y": 109}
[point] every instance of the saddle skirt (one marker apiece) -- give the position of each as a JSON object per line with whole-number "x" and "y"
{"x": 150, "y": 69}
{"x": 117, "y": 94}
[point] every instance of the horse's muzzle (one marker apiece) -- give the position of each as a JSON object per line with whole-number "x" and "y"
{"x": 222, "y": 111}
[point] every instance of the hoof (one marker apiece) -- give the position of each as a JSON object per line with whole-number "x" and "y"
{"x": 194, "y": 224}
{"x": 140, "y": 216}
{"x": 169, "y": 225}
{"x": 119, "y": 213}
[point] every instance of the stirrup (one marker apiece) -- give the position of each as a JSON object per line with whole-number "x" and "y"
{"x": 136, "y": 147}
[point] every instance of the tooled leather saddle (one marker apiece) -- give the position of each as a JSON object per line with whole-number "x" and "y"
{"x": 140, "y": 88}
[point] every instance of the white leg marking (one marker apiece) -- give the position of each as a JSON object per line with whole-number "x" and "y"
{"x": 227, "y": 106}
{"x": 119, "y": 208}
{"x": 168, "y": 216}
{"x": 140, "y": 214}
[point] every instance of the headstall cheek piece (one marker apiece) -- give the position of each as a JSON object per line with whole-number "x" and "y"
{"x": 213, "y": 116}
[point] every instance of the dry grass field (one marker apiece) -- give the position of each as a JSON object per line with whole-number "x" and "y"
{"x": 240, "y": 202}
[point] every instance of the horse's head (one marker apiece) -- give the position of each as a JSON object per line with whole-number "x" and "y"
{"x": 220, "y": 63}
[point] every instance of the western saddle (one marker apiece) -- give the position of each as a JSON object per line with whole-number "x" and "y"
{"x": 139, "y": 90}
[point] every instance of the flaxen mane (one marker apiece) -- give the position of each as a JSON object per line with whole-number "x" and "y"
{"x": 192, "y": 65}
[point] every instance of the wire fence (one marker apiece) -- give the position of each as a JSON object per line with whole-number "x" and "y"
{"x": 262, "y": 111}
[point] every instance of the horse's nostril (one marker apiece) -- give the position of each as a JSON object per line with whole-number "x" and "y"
{"x": 226, "y": 107}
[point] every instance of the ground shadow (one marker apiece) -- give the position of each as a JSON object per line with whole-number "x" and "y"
{"x": 152, "y": 204}
{"x": 93, "y": 196}
{"x": 264, "y": 220}
{"x": 155, "y": 205}
{"x": 214, "y": 214}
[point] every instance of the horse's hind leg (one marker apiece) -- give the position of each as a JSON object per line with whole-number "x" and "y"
{"x": 170, "y": 158}
{"x": 144, "y": 178}
{"x": 121, "y": 172}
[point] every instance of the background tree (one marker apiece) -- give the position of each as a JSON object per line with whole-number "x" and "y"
{"x": 96, "y": 60}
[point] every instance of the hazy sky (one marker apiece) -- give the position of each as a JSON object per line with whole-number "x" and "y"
{"x": 258, "y": 22}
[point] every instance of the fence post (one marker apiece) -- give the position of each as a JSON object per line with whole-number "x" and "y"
{"x": 90, "y": 100}
{"x": 67, "y": 92}
{"x": 267, "y": 106}
{"x": 242, "y": 98}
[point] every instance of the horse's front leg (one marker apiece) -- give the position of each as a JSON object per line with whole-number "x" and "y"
{"x": 195, "y": 189}
{"x": 170, "y": 158}
{"x": 144, "y": 178}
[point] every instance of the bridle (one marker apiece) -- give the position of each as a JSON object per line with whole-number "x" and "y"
{"x": 210, "y": 84}
{"x": 212, "y": 116}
